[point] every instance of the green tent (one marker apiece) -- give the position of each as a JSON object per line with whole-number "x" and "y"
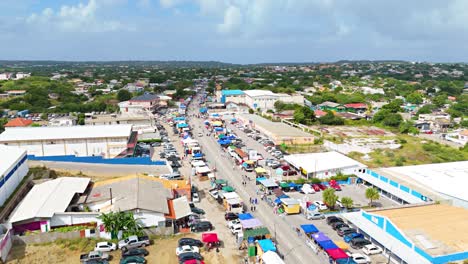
{"x": 284, "y": 185}
{"x": 232, "y": 147}
{"x": 258, "y": 232}
{"x": 221, "y": 181}
{"x": 228, "y": 189}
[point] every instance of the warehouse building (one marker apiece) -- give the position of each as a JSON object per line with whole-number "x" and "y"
{"x": 13, "y": 168}
{"x": 323, "y": 165}
{"x": 421, "y": 183}
{"x": 279, "y": 132}
{"x": 106, "y": 141}
{"x": 426, "y": 234}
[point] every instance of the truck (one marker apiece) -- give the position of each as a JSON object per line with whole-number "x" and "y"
{"x": 93, "y": 255}
{"x": 134, "y": 242}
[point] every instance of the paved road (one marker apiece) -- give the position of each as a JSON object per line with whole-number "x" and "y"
{"x": 290, "y": 244}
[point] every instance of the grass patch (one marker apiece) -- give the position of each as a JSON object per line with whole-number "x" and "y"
{"x": 303, "y": 148}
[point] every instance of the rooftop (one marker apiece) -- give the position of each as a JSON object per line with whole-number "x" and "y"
{"x": 9, "y": 157}
{"x": 73, "y": 132}
{"x": 276, "y": 128}
{"x": 254, "y": 93}
{"x": 448, "y": 179}
{"x": 48, "y": 198}
{"x": 232, "y": 92}
{"x": 19, "y": 122}
{"x": 438, "y": 229}
{"x": 145, "y": 97}
{"x": 324, "y": 161}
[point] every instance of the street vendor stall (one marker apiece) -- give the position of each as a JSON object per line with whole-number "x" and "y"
{"x": 265, "y": 245}
{"x": 336, "y": 253}
{"x": 248, "y": 165}
{"x": 341, "y": 244}
{"x": 309, "y": 229}
{"x": 260, "y": 172}
{"x": 211, "y": 240}
{"x": 271, "y": 257}
{"x": 291, "y": 206}
{"x": 268, "y": 184}
{"x": 251, "y": 223}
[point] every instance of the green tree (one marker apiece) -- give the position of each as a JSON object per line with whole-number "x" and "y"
{"x": 347, "y": 202}
{"x": 121, "y": 221}
{"x": 331, "y": 119}
{"x": 439, "y": 100}
{"x": 329, "y": 197}
{"x": 414, "y": 98}
{"x": 3, "y": 121}
{"x": 372, "y": 194}
{"x": 124, "y": 95}
{"x": 299, "y": 116}
{"x": 251, "y": 111}
{"x": 394, "y": 106}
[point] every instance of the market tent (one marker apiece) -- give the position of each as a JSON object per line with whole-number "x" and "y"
{"x": 203, "y": 169}
{"x": 206, "y": 122}
{"x": 320, "y": 237}
{"x": 279, "y": 171}
{"x": 309, "y": 228}
{"x": 266, "y": 245}
{"x": 260, "y": 170}
{"x": 221, "y": 181}
{"x": 284, "y": 185}
{"x": 312, "y": 207}
{"x": 198, "y": 155}
{"x": 219, "y": 129}
{"x": 341, "y": 244}
{"x": 203, "y": 110}
{"x": 278, "y": 192}
{"x": 268, "y": 183}
{"x": 180, "y": 118}
{"x": 228, "y": 189}
{"x": 210, "y": 237}
{"x": 345, "y": 261}
{"x": 245, "y": 216}
{"x": 224, "y": 141}
{"x": 271, "y": 257}
{"x": 251, "y": 223}
{"x": 260, "y": 179}
{"x": 289, "y": 201}
{"x": 198, "y": 163}
{"x": 182, "y": 125}
{"x": 258, "y": 232}
{"x": 217, "y": 123}
{"x": 327, "y": 244}
{"x": 336, "y": 253}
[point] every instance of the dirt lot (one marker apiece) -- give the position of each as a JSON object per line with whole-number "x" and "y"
{"x": 161, "y": 251}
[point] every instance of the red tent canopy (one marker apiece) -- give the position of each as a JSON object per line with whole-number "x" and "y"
{"x": 336, "y": 253}
{"x": 210, "y": 238}
{"x": 194, "y": 261}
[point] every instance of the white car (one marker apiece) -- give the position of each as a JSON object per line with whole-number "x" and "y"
{"x": 236, "y": 229}
{"x": 371, "y": 249}
{"x": 339, "y": 204}
{"x": 187, "y": 249}
{"x": 307, "y": 189}
{"x": 200, "y": 134}
{"x": 214, "y": 194}
{"x": 320, "y": 205}
{"x": 233, "y": 223}
{"x": 105, "y": 247}
{"x": 360, "y": 258}
{"x": 195, "y": 198}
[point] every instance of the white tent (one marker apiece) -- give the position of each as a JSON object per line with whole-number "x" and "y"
{"x": 270, "y": 257}
{"x": 198, "y": 163}
{"x": 203, "y": 169}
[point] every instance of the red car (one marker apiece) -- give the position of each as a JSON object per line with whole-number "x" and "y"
{"x": 336, "y": 187}
{"x": 289, "y": 173}
{"x": 316, "y": 187}
{"x": 321, "y": 186}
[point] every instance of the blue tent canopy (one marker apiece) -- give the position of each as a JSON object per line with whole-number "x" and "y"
{"x": 309, "y": 228}
{"x": 245, "y": 216}
{"x": 203, "y": 110}
{"x": 197, "y": 155}
{"x": 345, "y": 261}
{"x": 206, "y": 122}
{"x": 179, "y": 118}
{"x": 261, "y": 179}
{"x": 266, "y": 245}
{"x": 327, "y": 244}
{"x": 233, "y": 120}
{"x": 283, "y": 196}
{"x": 182, "y": 125}
{"x": 312, "y": 207}
{"x": 219, "y": 129}
{"x": 224, "y": 141}
{"x": 231, "y": 137}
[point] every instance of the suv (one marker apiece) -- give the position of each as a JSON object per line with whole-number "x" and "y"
{"x": 358, "y": 243}
{"x": 190, "y": 242}
{"x": 202, "y": 226}
{"x": 332, "y": 219}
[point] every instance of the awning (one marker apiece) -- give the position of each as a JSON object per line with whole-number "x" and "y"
{"x": 182, "y": 125}
{"x": 320, "y": 237}
{"x": 268, "y": 183}
{"x": 221, "y": 181}
{"x": 245, "y": 216}
{"x": 309, "y": 229}
{"x": 228, "y": 189}
{"x": 266, "y": 245}
{"x": 260, "y": 170}
{"x": 210, "y": 237}
{"x": 262, "y": 231}
{"x": 251, "y": 223}
{"x": 327, "y": 244}
{"x": 203, "y": 169}
{"x": 336, "y": 253}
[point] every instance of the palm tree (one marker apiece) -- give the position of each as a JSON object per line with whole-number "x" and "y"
{"x": 347, "y": 202}
{"x": 372, "y": 194}
{"x": 121, "y": 221}
{"x": 329, "y": 197}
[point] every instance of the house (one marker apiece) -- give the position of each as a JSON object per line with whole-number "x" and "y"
{"x": 16, "y": 92}
{"x": 235, "y": 96}
{"x": 463, "y": 136}
{"x": 63, "y": 121}
{"x": 286, "y": 114}
{"x": 19, "y": 122}
{"x": 460, "y": 137}
{"x": 369, "y": 90}
{"x": 147, "y": 101}
{"x": 319, "y": 113}
{"x": 21, "y": 75}
{"x": 5, "y": 76}
{"x": 13, "y": 168}
{"x": 331, "y": 106}
{"x": 134, "y": 87}
{"x": 358, "y": 108}
{"x": 265, "y": 99}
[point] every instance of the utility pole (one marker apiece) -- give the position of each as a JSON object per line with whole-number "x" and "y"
{"x": 110, "y": 191}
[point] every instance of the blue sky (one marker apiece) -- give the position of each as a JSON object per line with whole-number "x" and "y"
{"x": 237, "y": 31}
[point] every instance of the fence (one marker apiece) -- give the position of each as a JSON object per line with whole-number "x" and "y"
{"x": 99, "y": 160}
{"x": 46, "y": 237}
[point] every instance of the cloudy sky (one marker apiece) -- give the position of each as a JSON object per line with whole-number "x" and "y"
{"x": 237, "y": 31}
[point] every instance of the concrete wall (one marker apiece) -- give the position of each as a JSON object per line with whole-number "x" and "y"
{"x": 12, "y": 178}
{"x": 100, "y": 160}
{"x": 45, "y": 237}
{"x": 71, "y": 218}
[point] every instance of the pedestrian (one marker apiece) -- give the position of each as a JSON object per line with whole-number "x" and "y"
{"x": 251, "y": 208}
{"x": 250, "y": 199}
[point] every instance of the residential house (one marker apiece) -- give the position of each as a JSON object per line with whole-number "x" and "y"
{"x": 19, "y": 122}
{"x": 134, "y": 87}
{"x": 16, "y": 92}
{"x": 21, "y": 75}
{"x": 331, "y": 106}
{"x": 148, "y": 101}
{"x": 63, "y": 121}
{"x": 358, "y": 108}
{"x": 5, "y": 76}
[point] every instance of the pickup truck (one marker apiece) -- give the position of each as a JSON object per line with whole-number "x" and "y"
{"x": 93, "y": 255}
{"x": 134, "y": 242}
{"x": 214, "y": 193}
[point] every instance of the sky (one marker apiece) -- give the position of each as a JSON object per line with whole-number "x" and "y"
{"x": 235, "y": 31}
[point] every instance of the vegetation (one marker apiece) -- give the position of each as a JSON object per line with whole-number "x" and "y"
{"x": 331, "y": 119}
{"x": 372, "y": 194}
{"x": 124, "y": 95}
{"x": 121, "y": 221}
{"x": 329, "y": 197}
{"x": 347, "y": 202}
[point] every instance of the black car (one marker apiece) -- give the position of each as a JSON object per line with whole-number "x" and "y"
{"x": 135, "y": 252}
{"x": 186, "y": 241}
{"x": 197, "y": 210}
{"x": 188, "y": 256}
{"x": 338, "y": 225}
{"x": 333, "y": 219}
{"x": 231, "y": 216}
{"x": 202, "y": 226}
{"x": 346, "y": 231}
{"x": 175, "y": 164}
{"x": 359, "y": 243}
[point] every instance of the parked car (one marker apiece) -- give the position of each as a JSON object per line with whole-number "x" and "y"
{"x": 371, "y": 249}
{"x": 332, "y": 219}
{"x": 214, "y": 193}
{"x": 321, "y": 186}
{"x": 133, "y": 260}
{"x": 359, "y": 243}
{"x": 314, "y": 215}
{"x": 94, "y": 255}
{"x": 187, "y": 249}
{"x": 202, "y": 226}
{"x": 189, "y": 255}
{"x": 316, "y": 187}
{"x": 338, "y": 225}
{"x": 360, "y": 258}
{"x": 195, "y": 197}
{"x": 105, "y": 247}
{"x": 190, "y": 242}
{"x": 135, "y": 252}
{"x": 197, "y": 210}
{"x": 233, "y": 223}
{"x": 289, "y": 173}
{"x": 339, "y": 204}
{"x": 307, "y": 189}
{"x": 172, "y": 176}
{"x": 95, "y": 261}
{"x": 343, "y": 231}
{"x": 134, "y": 242}
{"x": 352, "y": 236}
{"x": 320, "y": 205}
{"x": 231, "y": 216}
{"x": 237, "y": 228}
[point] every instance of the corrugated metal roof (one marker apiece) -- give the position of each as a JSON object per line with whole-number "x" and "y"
{"x": 9, "y": 156}
{"x": 48, "y": 198}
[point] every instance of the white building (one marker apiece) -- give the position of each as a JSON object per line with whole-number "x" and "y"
{"x": 21, "y": 75}
{"x": 323, "y": 165}
{"x": 63, "y": 121}
{"x": 265, "y": 99}
{"x": 107, "y": 141}
{"x": 13, "y": 168}
{"x": 5, "y": 76}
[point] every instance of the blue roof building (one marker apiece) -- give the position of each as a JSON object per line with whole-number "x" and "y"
{"x": 227, "y": 93}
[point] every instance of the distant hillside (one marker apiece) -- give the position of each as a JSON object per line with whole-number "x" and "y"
{"x": 165, "y": 64}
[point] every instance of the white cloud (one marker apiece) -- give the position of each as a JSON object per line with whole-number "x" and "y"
{"x": 232, "y": 20}
{"x": 75, "y": 18}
